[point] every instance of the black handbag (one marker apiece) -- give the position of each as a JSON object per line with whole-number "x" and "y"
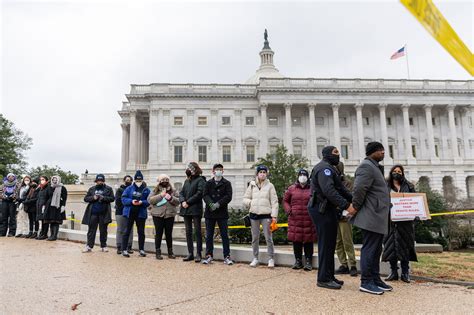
{"x": 247, "y": 221}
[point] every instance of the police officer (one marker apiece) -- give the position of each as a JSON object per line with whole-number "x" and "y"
{"x": 329, "y": 198}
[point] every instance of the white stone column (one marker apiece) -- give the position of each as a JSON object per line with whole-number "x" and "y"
{"x": 163, "y": 136}
{"x": 125, "y": 141}
{"x": 452, "y": 133}
{"x": 430, "y": 134}
{"x": 288, "y": 133}
{"x": 263, "y": 130}
{"x": 337, "y": 130}
{"x": 153, "y": 139}
{"x": 312, "y": 134}
{"x": 238, "y": 137}
{"x": 190, "y": 134}
{"x": 383, "y": 132}
{"x": 214, "y": 147}
{"x": 140, "y": 144}
{"x": 407, "y": 133}
{"x": 132, "y": 155}
{"x": 360, "y": 130}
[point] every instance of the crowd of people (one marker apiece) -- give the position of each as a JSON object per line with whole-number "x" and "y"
{"x": 321, "y": 206}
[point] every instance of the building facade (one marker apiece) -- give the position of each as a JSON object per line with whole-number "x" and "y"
{"x": 426, "y": 125}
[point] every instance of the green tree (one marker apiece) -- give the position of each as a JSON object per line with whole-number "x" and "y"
{"x": 67, "y": 177}
{"x": 13, "y": 145}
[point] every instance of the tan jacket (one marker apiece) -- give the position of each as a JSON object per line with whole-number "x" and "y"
{"x": 261, "y": 200}
{"x": 168, "y": 210}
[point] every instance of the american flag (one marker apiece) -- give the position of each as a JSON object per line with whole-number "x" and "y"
{"x": 399, "y": 53}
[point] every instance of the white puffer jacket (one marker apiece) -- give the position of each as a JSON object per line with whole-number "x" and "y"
{"x": 261, "y": 200}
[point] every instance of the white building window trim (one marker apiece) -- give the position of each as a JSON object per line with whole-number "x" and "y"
{"x": 199, "y": 125}
{"x": 245, "y": 121}
{"x": 222, "y": 121}
{"x": 182, "y": 120}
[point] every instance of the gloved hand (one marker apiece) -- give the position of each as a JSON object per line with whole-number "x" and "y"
{"x": 63, "y": 209}
{"x": 214, "y": 206}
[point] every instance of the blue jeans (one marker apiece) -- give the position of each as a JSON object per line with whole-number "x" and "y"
{"x": 223, "y": 227}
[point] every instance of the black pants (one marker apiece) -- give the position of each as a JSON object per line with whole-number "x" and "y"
{"x": 298, "y": 249}
{"x": 370, "y": 257}
{"x": 166, "y": 225}
{"x": 34, "y": 224}
{"x": 97, "y": 220}
{"x": 223, "y": 229}
{"x": 7, "y": 218}
{"x": 326, "y": 227}
{"x": 133, "y": 218}
{"x": 44, "y": 228}
{"x": 405, "y": 264}
{"x": 188, "y": 223}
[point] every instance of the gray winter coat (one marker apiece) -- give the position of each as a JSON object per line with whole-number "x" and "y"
{"x": 160, "y": 209}
{"x": 371, "y": 197}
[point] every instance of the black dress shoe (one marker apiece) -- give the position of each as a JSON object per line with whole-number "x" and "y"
{"x": 329, "y": 285}
{"x": 29, "y": 235}
{"x": 188, "y": 258}
{"x": 19, "y": 235}
{"x": 340, "y": 282}
{"x": 353, "y": 271}
{"x": 405, "y": 277}
{"x": 298, "y": 264}
{"x": 342, "y": 270}
{"x": 34, "y": 235}
{"x": 393, "y": 276}
{"x": 198, "y": 259}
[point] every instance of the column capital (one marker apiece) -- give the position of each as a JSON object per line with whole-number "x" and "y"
{"x": 124, "y": 125}
{"x": 214, "y": 111}
{"x": 451, "y": 107}
{"x": 358, "y": 105}
{"x": 132, "y": 111}
{"x": 288, "y": 105}
{"x": 382, "y": 106}
{"x": 312, "y": 105}
{"x": 238, "y": 111}
{"x": 154, "y": 111}
{"x": 428, "y": 107}
{"x": 263, "y": 105}
{"x": 335, "y": 106}
{"x": 406, "y": 106}
{"x": 190, "y": 112}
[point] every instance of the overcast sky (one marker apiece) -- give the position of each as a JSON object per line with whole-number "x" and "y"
{"x": 66, "y": 65}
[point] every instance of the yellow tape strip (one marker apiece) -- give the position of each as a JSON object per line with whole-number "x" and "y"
{"x": 453, "y": 212}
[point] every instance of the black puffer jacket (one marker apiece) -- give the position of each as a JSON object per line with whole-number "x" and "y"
{"x": 192, "y": 193}
{"x": 30, "y": 201}
{"x": 399, "y": 243}
{"x": 44, "y": 195}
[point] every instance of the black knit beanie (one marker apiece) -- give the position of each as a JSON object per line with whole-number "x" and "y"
{"x": 373, "y": 147}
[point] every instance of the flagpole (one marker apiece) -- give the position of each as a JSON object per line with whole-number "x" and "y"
{"x": 406, "y": 55}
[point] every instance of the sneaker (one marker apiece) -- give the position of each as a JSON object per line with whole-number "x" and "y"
{"x": 207, "y": 260}
{"x": 383, "y": 286}
{"x": 353, "y": 271}
{"x": 228, "y": 261}
{"x": 371, "y": 288}
{"x": 142, "y": 253}
{"x": 87, "y": 249}
{"x": 271, "y": 263}
{"x": 105, "y": 249}
{"x": 254, "y": 263}
{"x": 119, "y": 251}
{"x": 342, "y": 270}
{"x": 125, "y": 254}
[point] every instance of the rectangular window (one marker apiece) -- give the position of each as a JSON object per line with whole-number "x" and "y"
{"x": 273, "y": 149}
{"x": 178, "y": 121}
{"x": 433, "y": 121}
{"x": 319, "y": 121}
{"x": 367, "y": 121}
{"x": 411, "y": 121}
{"x": 250, "y": 121}
{"x": 413, "y": 150}
{"x": 343, "y": 121}
{"x": 436, "y": 150}
{"x": 226, "y": 153}
{"x": 273, "y": 121}
{"x": 389, "y": 121}
{"x": 298, "y": 151}
{"x": 297, "y": 121}
{"x": 225, "y": 121}
{"x": 178, "y": 154}
{"x": 320, "y": 150}
{"x": 202, "y": 121}
{"x": 250, "y": 153}
{"x": 202, "y": 153}
{"x": 455, "y": 121}
{"x": 345, "y": 151}
{"x": 390, "y": 150}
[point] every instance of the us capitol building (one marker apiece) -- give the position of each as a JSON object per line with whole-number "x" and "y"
{"x": 425, "y": 125}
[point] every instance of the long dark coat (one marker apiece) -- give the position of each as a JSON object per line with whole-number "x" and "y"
{"x": 192, "y": 192}
{"x": 300, "y": 225}
{"x": 53, "y": 214}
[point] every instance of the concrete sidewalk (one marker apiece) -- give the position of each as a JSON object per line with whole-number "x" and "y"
{"x": 48, "y": 277}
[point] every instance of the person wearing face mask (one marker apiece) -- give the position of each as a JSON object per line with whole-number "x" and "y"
{"x": 217, "y": 196}
{"x": 44, "y": 194}
{"x": 301, "y": 230}
{"x": 190, "y": 198}
{"x": 98, "y": 212}
{"x": 22, "y": 216}
{"x": 399, "y": 243}
{"x": 329, "y": 197}
{"x": 30, "y": 208}
{"x": 163, "y": 200}
{"x": 262, "y": 201}
{"x": 372, "y": 208}
{"x": 8, "y": 195}
{"x": 55, "y": 211}
{"x": 120, "y": 219}
{"x": 135, "y": 204}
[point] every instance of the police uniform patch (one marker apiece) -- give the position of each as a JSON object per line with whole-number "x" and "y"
{"x": 327, "y": 172}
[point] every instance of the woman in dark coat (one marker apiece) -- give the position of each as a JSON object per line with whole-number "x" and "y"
{"x": 301, "y": 230}
{"x": 44, "y": 195}
{"x": 30, "y": 208}
{"x": 399, "y": 243}
{"x": 190, "y": 199}
{"x": 55, "y": 211}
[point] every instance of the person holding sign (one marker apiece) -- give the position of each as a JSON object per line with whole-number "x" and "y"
{"x": 399, "y": 243}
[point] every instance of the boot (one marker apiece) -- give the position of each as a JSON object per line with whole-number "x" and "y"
{"x": 34, "y": 235}
{"x": 54, "y": 232}
{"x": 158, "y": 254}
{"x": 170, "y": 254}
{"x": 308, "y": 266}
{"x": 342, "y": 270}
{"x": 405, "y": 277}
{"x": 29, "y": 235}
{"x": 393, "y": 276}
{"x": 189, "y": 257}
{"x": 198, "y": 258}
{"x": 298, "y": 264}
{"x": 44, "y": 232}
{"x": 19, "y": 235}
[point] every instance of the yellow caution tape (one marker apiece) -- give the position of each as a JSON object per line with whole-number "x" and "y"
{"x": 431, "y": 18}
{"x": 452, "y": 212}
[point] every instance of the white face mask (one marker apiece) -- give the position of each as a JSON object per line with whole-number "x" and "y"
{"x": 138, "y": 184}
{"x": 27, "y": 182}
{"x": 303, "y": 179}
{"x": 218, "y": 174}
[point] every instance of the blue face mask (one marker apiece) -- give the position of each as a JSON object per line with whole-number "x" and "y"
{"x": 218, "y": 174}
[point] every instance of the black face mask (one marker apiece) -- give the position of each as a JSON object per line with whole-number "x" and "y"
{"x": 164, "y": 184}
{"x": 34, "y": 185}
{"x": 128, "y": 183}
{"x": 333, "y": 159}
{"x": 188, "y": 173}
{"x": 100, "y": 185}
{"x": 397, "y": 176}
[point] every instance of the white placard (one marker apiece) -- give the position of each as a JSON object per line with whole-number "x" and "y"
{"x": 407, "y": 208}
